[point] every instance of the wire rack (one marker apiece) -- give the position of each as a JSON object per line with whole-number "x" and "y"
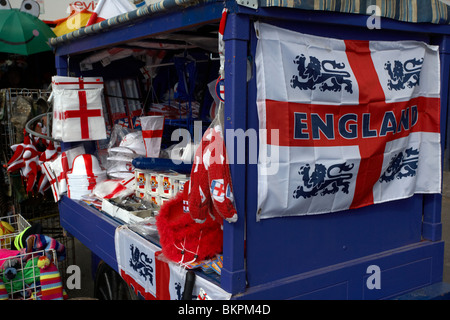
{"x": 18, "y": 223}
{"x": 52, "y": 228}
{"x": 20, "y": 275}
{"x": 12, "y": 133}
{"x": 33, "y": 208}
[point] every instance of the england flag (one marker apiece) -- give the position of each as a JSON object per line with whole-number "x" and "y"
{"x": 108, "y": 9}
{"x": 218, "y": 190}
{"x": 344, "y": 123}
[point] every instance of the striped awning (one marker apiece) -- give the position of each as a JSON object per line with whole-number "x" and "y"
{"x": 414, "y": 11}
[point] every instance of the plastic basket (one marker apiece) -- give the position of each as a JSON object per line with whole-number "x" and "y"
{"x": 19, "y": 224}
{"x": 21, "y": 277}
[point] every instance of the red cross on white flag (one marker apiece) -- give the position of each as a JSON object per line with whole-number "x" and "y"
{"x": 218, "y": 190}
{"x": 352, "y": 123}
{"x": 146, "y": 72}
{"x": 152, "y": 132}
{"x": 78, "y": 115}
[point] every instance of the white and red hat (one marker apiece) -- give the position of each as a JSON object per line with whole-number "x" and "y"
{"x": 85, "y": 165}
{"x": 85, "y": 174}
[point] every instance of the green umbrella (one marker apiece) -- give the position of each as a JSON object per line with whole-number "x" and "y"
{"x": 23, "y": 33}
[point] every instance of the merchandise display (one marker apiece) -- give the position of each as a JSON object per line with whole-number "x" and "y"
{"x": 29, "y": 264}
{"x": 184, "y": 240}
{"x": 32, "y": 276}
{"x": 77, "y": 109}
{"x": 26, "y": 159}
{"x": 84, "y": 176}
{"x": 217, "y": 137}
{"x": 186, "y": 222}
{"x": 184, "y": 197}
{"x": 10, "y": 228}
{"x": 79, "y": 115}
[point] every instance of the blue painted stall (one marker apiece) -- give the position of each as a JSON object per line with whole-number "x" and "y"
{"x": 305, "y": 257}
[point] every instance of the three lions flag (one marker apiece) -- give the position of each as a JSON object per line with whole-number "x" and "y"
{"x": 345, "y": 123}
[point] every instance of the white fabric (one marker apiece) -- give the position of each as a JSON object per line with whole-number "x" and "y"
{"x": 68, "y": 127}
{"x": 86, "y": 173}
{"x": 76, "y": 83}
{"x": 56, "y": 166}
{"x": 151, "y": 125}
{"x": 52, "y": 179}
{"x": 327, "y": 120}
{"x": 72, "y": 153}
{"x": 136, "y": 257}
{"x": 111, "y": 8}
{"x": 114, "y": 188}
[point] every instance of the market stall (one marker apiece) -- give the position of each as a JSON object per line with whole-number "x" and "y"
{"x": 351, "y": 117}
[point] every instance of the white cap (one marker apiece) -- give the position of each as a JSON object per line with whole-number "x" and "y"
{"x": 86, "y": 164}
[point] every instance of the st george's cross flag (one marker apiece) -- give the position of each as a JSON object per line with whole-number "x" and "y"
{"x": 79, "y": 114}
{"x": 151, "y": 275}
{"x": 108, "y": 9}
{"x": 152, "y": 132}
{"x": 344, "y": 123}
